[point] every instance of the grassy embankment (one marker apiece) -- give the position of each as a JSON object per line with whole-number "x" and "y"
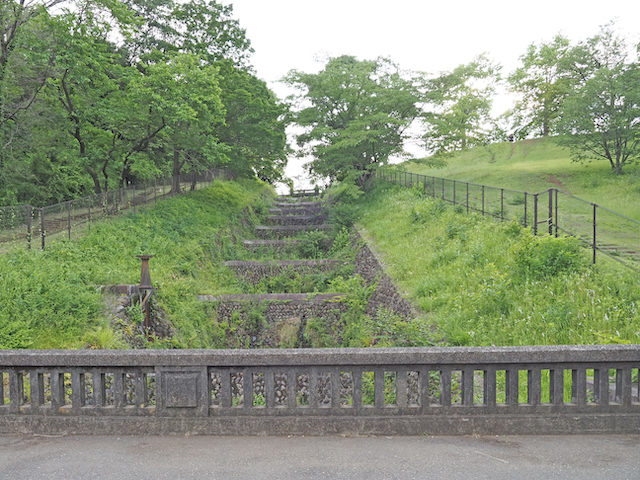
{"x": 50, "y": 299}
{"x": 539, "y": 164}
{"x": 481, "y": 282}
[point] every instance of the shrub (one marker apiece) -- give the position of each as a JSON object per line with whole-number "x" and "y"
{"x": 545, "y": 256}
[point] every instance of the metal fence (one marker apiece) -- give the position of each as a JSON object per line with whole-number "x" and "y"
{"x": 35, "y": 225}
{"x": 552, "y": 211}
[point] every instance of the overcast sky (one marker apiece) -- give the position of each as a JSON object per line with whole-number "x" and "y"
{"x": 426, "y": 36}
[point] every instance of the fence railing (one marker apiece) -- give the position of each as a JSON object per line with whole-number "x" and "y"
{"x": 552, "y": 211}
{"x": 412, "y": 391}
{"x": 35, "y": 224}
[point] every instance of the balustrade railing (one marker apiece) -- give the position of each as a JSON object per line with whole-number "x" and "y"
{"x": 544, "y": 389}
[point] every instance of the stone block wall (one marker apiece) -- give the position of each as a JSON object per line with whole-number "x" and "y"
{"x": 386, "y": 293}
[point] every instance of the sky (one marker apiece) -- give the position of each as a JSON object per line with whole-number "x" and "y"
{"x": 425, "y": 36}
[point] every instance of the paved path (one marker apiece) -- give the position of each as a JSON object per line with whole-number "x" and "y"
{"x": 610, "y": 457}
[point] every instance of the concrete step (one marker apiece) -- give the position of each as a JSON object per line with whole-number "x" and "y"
{"x": 297, "y": 205}
{"x": 296, "y": 219}
{"x": 287, "y": 230}
{"x": 279, "y": 297}
{"x": 254, "y": 245}
{"x": 296, "y": 211}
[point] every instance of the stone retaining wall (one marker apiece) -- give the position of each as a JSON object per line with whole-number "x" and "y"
{"x": 386, "y": 294}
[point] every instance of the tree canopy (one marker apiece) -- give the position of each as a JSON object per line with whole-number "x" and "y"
{"x": 601, "y": 114}
{"x": 105, "y": 92}
{"x": 355, "y": 115}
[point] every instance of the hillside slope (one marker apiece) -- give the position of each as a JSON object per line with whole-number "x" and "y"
{"x": 536, "y": 165}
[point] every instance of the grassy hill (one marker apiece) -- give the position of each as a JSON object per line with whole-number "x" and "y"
{"x": 538, "y": 164}
{"x": 482, "y": 282}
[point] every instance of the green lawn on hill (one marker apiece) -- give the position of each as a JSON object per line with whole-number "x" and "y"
{"x": 538, "y": 164}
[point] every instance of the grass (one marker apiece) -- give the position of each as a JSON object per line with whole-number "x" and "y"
{"x": 536, "y": 165}
{"x": 51, "y": 298}
{"x": 480, "y": 282}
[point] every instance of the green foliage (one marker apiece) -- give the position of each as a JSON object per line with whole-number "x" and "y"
{"x": 459, "y": 107}
{"x": 600, "y": 115}
{"x": 480, "y": 282}
{"x": 358, "y": 113}
{"x": 546, "y": 256}
{"x": 52, "y": 298}
{"x": 313, "y": 244}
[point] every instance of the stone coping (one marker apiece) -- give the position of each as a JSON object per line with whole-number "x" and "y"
{"x": 521, "y": 356}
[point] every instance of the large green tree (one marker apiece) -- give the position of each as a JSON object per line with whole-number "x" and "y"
{"x": 600, "y": 118}
{"x": 355, "y": 115}
{"x": 542, "y": 83}
{"x": 458, "y": 111}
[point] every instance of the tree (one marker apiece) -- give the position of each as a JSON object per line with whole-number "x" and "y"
{"x": 600, "y": 118}
{"x": 459, "y": 113}
{"x": 355, "y": 114}
{"x": 542, "y": 85}
{"x": 254, "y": 127}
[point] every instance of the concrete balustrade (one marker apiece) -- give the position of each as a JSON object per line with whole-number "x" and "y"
{"x": 392, "y": 391}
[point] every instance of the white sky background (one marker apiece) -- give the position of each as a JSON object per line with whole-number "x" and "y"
{"x": 418, "y": 35}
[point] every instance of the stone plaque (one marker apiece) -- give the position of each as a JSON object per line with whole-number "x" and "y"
{"x": 181, "y": 389}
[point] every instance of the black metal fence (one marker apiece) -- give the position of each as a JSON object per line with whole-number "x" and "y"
{"x": 35, "y": 224}
{"x": 552, "y": 211}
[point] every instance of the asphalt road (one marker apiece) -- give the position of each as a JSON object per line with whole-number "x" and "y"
{"x": 608, "y": 457}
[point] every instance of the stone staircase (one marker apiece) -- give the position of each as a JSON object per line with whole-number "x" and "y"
{"x": 284, "y": 315}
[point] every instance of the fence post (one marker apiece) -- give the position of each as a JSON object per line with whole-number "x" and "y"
{"x": 454, "y": 192}
{"x": 502, "y": 203}
{"x": 594, "y": 233}
{"x": 535, "y": 214}
{"x": 69, "y": 217}
{"x": 551, "y": 211}
{"x": 434, "y": 187}
{"x": 42, "y": 233}
{"x": 483, "y": 200}
{"x": 29, "y": 227}
{"x": 133, "y": 199}
{"x": 443, "y": 189}
{"x": 525, "y": 209}
{"x": 467, "y": 197}
{"x": 555, "y": 205}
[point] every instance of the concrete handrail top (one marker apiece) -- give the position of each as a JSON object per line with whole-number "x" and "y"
{"x": 432, "y": 356}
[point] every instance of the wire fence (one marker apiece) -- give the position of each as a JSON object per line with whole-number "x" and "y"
{"x": 36, "y": 225}
{"x": 552, "y": 212}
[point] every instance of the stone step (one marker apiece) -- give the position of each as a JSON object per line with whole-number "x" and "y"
{"x": 278, "y": 297}
{"x": 296, "y": 211}
{"x": 254, "y": 272}
{"x": 253, "y": 245}
{"x": 287, "y": 230}
{"x": 296, "y": 219}
{"x": 297, "y": 205}
{"x": 281, "y": 263}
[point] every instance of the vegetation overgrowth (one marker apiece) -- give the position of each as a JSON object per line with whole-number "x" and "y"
{"x": 480, "y": 282}
{"x": 52, "y": 299}
{"x": 535, "y": 165}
